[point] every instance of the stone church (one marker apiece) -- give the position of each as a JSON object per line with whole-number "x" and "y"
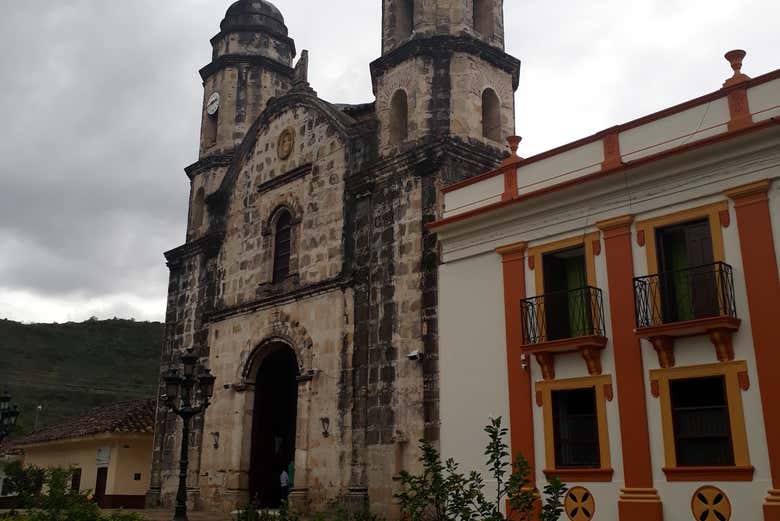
{"x": 308, "y": 280}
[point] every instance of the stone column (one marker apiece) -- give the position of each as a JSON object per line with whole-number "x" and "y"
{"x": 638, "y": 500}
{"x": 759, "y": 260}
{"x": 299, "y": 495}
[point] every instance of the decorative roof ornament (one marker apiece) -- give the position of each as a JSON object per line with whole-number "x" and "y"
{"x": 735, "y": 58}
{"x": 514, "y": 144}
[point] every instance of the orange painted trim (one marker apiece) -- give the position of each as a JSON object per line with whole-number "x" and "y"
{"x": 707, "y": 98}
{"x": 567, "y": 345}
{"x": 698, "y": 474}
{"x": 699, "y": 326}
{"x": 521, "y": 396}
{"x": 596, "y": 175}
{"x": 581, "y": 475}
{"x": 751, "y": 206}
{"x": 510, "y": 185}
{"x": 750, "y": 193}
{"x": 613, "y": 158}
{"x": 629, "y": 369}
{"x": 739, "y": 109}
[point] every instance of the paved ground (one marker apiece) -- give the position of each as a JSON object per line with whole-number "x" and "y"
{"x": 167, "y": 515}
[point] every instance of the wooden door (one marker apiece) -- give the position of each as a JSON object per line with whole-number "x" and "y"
{"x": 100, "y": 486}
{"x": 687, "y": 278}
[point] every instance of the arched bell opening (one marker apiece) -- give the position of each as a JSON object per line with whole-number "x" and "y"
{"x": 273, "y": 423}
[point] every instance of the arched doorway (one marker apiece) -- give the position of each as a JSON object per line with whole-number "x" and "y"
{"x": 273, "y": 423}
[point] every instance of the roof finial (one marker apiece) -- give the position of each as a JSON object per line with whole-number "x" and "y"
{"x": 735, "y": 58}
{"x": 514, "y": 143}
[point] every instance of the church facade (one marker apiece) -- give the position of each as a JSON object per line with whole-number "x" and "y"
{"x": 308, "y": 282}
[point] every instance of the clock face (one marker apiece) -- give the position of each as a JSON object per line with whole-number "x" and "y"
{"x": 213, "y": 104}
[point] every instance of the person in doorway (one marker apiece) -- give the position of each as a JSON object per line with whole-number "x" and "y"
{"x": 284, "y": 481}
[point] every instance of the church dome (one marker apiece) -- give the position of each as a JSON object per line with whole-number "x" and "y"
{"x": 253, "y": 15}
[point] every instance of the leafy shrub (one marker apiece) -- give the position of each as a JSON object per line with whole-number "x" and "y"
{"x": 443, "y": 493}
{"x": 47, "y": 496}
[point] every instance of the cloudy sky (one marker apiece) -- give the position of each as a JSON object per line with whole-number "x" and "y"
{"x": 101, "y": 100}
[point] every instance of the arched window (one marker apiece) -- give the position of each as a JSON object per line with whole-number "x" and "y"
{"x": 491, "y": 115}
{"x": 282, "y": 246}
{"x": 399, "y": 117}
{"x": 198, "y": 204}
{"x": 483, "y": 17}
{"x": 404, "y": 19}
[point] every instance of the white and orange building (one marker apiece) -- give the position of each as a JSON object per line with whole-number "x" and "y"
{"x": 618, "y": 300}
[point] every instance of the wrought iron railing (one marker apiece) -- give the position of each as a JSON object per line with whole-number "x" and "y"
{"x": 562, "y": 314}
{"x": 688, "y": 294}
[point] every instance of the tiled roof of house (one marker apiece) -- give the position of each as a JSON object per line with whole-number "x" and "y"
{"x": 136, "y": 416}
{"x": 8, "y": 448}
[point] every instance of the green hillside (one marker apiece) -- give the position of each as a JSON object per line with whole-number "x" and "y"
{"x": 67, "y": 368}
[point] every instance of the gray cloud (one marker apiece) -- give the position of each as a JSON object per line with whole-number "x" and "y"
{"x": 101, "y": 106}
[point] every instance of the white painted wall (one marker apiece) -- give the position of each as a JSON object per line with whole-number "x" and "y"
{"x": 764, "y": 100}
{"x": 774, "y": 210}
{"x": 746, "y": 498}
{"x": 560, "y": 168}
{"x": 476, "y": 195}
{"x": 656, "y": 136}
{"x": 472, "y": 356}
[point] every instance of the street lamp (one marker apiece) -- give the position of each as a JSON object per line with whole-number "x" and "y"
{"x": 8, "y": 415}
{"x": 187, "y": 394}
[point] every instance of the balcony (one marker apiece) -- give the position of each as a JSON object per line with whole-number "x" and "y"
{"x": 684, "y": 303}
{"x": 564, "y": 322}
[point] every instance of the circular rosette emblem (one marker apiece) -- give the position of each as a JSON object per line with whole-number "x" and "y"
{"x": 579, "y": 504}
{"x": 711, "y": 504}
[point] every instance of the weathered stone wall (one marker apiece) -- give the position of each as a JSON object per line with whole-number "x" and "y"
{"x": 414, "y": 77}
{"x": 319, "y": 327}
{"x": 362, "y": 294}
{"x": 254, "y": 44}
{"x": 440, "y": 17}
{"x": 314, "y": 195}
{"x": 470, "y": 77}
{"x": 244, "y": 90}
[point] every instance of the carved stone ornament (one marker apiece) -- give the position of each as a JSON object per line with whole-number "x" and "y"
{"x": 286, "y": 141}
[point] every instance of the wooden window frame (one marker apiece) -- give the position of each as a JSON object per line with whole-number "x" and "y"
{"x": 736, "y": 379}
{"x": 715, "y": 213}
{"x": 604, "y": 392}
{"x": 535, "y": 254}
{"x": 276, "y": 244}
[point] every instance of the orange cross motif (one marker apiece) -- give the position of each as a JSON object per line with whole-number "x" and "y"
{"x": 711, "y": 504}
{"x": 579, "y": 504}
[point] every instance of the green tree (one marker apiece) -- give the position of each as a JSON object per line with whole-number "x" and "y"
{"x": 443, "y": 493}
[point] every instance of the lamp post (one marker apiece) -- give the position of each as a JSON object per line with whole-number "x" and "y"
{"x": 8, "y": 415}
{"x": 187, "y": 394}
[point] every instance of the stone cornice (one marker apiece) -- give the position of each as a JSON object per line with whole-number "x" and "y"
{"x": 207, "y": 163}
{"x": 427, "y": 46}
{"x": 209, "y": 245}
{"x": 227, "y": 60}
{"x": 285, "y": 178}
{"x": 424, "y": 159}
{"x": 284, "y": 38}
{"x": 309, "y": 290}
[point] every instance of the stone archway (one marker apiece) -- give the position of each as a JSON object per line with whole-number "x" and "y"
{"x": 275, "y": 409}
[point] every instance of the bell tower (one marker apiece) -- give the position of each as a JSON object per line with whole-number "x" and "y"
{"x": 444, "y": 73}
{"x": 251, "y": 63}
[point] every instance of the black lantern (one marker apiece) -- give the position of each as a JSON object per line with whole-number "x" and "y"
{"x": 187, "y": 394}
{"x": 8, "y": 415}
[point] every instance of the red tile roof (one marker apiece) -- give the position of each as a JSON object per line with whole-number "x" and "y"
{"x": 136, "y": 416}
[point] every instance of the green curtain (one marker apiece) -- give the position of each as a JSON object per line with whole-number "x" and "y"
{"x": 576, "y": 281}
